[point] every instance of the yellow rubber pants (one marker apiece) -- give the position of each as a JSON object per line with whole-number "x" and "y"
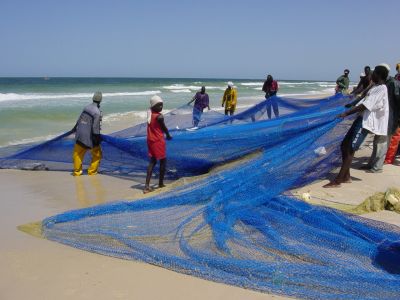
{"x": 78, "y": 155}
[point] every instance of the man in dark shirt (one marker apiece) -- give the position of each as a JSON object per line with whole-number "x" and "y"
{"x": 364, "y": 81}
{"x": 394, "y": 104}
{"x": 342, "y": 83}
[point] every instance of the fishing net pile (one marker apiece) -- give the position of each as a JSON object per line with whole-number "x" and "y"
{"x": 388, "y": 200}
{"x": 239, "y": 225}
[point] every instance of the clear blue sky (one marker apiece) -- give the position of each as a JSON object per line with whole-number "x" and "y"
{"x": 220, "y": 39}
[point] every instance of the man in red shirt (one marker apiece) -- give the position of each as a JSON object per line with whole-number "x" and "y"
{"x": 394, "y": 92}
{"x": 270, "y": 88}
{"x": 155, "y": 141}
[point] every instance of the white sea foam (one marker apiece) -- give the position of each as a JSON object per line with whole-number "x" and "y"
{"x": 134, "y": 115}
{"x": 303, "y": 83}
{"x": 179, "y": 86}
{"x": 328, "y": 90}
{"x": 109, "y": 118}
{"x": 252, "y": 83}
{"x": 33, "y": 96}
{"x": 309, "y": 93}
{"x": 291, "y": 83}
{"x": 144, "y": 93}
{"x": 181, "y": 91}
{"x": 327, "y": 85}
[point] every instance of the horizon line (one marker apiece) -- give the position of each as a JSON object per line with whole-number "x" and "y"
{"x": 135, "y": 77}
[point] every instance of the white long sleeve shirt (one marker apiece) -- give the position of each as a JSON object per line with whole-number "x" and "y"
{"x": 376, "y": 116}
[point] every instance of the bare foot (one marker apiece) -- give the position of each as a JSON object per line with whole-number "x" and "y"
{"x": 347, "y": 181}
{"x": 147, "y": 190}
{"x": 332, "y": 184}
{"x": 160, "y": 186}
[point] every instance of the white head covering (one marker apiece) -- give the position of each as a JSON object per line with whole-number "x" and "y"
{"x": 386, "y": 66}
{"x": 153, "y": 101}
{"x": 230, "y": 84}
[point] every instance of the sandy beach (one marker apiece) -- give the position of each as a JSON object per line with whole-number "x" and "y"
{"x": 47, "y": 270}
{"x": 363, "y": 185}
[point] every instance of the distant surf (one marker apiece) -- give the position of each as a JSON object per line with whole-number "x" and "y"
{"x": 32, "y": 96}
{"x": 34, "y": 109}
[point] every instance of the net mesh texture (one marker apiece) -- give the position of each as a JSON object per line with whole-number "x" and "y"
{"x": 239, "y": 225}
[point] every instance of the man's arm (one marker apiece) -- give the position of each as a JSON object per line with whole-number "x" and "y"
{"x": 208, "y": 102}
{"x": 358, "y": 88}
{"x": 340, "y": 82}
{"x": 361, "y": 96}
{"x": 264, "y": 88}
{"x": 194, "y": 98}
{"x": 234, "y": 96}
{"x": 346, "y": 82}
{"x": 160, "y": 120}
{"x": 223, "y": 98}
{"x": 353, "y": 110}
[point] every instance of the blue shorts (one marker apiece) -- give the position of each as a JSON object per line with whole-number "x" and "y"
{"x": 356, "y": 134}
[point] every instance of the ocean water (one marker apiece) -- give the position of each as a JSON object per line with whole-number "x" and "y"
{"x": 35, "y": 109}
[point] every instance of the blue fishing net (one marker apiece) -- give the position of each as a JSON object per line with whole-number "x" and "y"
{"x": 240, "y": 225}
{"x": 125, "y": 152}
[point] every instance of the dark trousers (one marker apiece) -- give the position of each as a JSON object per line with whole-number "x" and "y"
{"x": 272, "y": 101}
